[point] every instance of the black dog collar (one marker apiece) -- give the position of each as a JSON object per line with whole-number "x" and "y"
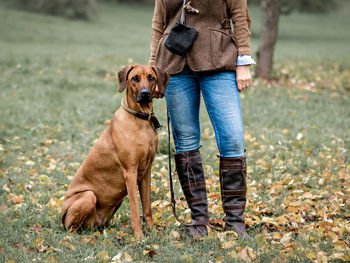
{"x": 151, "y": 117}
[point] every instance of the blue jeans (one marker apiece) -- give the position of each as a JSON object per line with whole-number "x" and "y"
{"x": 221, "y": 97}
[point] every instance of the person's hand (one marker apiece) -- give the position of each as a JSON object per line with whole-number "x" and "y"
{"x": 243, "y": 77}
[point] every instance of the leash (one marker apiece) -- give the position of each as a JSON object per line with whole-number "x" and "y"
{"x": 172, "y": 194}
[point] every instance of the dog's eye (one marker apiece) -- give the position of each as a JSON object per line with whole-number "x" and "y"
{"x": 151, "y": 78}
{"x": 135, "y": 78}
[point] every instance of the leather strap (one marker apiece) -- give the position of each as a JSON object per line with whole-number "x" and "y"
{"x": 234, "y": 207}
{"x": 229, "y": 163}
{"x": 183, "y": 159}
{"x": 151, "y": 117}
{"x": 198, "y": 200}
{"x": 190, "y": 186}
{"x": 234, "y": 192}
{"x": 172, "y": 195}
{"x": 182, "y": 19}
{"x": 138, "y": 114}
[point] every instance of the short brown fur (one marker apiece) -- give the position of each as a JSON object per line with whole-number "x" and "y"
{"x": 119, "y": 162}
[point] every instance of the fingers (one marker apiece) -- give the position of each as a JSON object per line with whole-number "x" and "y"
{"x": 243, "y": 77}
{"x": 242, "y": 84}
{"x": 239, "y": 85}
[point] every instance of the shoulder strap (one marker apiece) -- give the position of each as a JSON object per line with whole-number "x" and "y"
{"x": 182, "y": 19}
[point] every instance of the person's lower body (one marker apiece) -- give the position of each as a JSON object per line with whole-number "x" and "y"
{"x": 221, "y": 98}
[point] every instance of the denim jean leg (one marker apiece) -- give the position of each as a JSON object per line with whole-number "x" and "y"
{"x": 183, "y": 100}
{"x": 222, "y": 100}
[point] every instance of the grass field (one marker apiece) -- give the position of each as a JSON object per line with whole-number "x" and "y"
{"x": 58, "y": 88}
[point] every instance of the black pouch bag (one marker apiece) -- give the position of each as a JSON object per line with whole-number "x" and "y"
{"x": 181, "y": 37}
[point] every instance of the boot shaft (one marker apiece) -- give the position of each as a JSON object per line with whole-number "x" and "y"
{"x": 233, "y": 188}
{"x": 191, "y": 175}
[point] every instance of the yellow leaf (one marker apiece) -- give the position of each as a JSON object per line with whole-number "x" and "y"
{"x": 278, "y": 259}
{"x": 43, "y": 177}
{"x": 276, "y": 236}
{"x": 69, "y": 245}
{"x": 186, "y": 258}
{"x": 286, "y": 238}
{"x": 52, "y": 259}
{"x": 311, "y": 255}
{"x": 54, "y": 203}
{"x": 38, "y": 242}
{"x": 156, "y": 247}
{"x": 232, "y": 254}
{"x": 216, "y": 209}
{"x": 175, "y": 235}
{"x": 85, "y": 240}
{"x": 103, "y": 256}
{"x": 247, "y": 255}
{"x": 322, "y": 257}
{"x": 128, "y": 258}
{"x": 228, "y": 244}
{"x": 340, "y": 245}
{"x": 293, "y": 209}
{"x": 345, "y": 258}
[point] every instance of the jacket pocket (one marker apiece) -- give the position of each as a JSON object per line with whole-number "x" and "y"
{"x": 163, "y": 55}
{"x": 223, "y": 48}
{"x": 166, "y": 60}
{"x": 161, "y": 42}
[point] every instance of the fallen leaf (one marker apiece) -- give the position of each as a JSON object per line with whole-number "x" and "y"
{"x": 247, "y": 255}
{"x": 103, "y": 256}
{"x": 228, "y": 244}
{"x": 128, "y": 258}
{"x": 69, "y": 245}
{"x": 187, "y": 259}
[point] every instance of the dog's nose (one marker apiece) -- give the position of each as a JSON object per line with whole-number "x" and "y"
{"x": 145, "y": 92}
{"x": 144, "y": 95}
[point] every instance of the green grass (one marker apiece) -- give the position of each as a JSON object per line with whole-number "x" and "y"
{"x": 58, "y": 87}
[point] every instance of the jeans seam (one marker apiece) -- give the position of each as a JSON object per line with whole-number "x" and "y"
{"x": 178, "y": 145}
{"x": 175, "y": 139}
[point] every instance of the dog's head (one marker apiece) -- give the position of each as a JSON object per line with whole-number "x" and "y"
{"x": 143, "y": 82}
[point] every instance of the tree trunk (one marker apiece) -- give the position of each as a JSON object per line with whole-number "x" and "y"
{"x": 268, "y": 37}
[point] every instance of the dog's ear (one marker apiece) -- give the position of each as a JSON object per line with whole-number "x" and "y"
{"x": 123, "y": 77}
{"x": 162, "y": 82}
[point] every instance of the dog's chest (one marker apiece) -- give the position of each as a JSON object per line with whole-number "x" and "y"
{"x": 147, "y": 153}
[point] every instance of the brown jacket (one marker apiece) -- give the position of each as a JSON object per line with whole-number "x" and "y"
{"x": 216, "y": 47}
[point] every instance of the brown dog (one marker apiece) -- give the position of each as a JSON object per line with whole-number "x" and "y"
{"x": 121, "y": 159}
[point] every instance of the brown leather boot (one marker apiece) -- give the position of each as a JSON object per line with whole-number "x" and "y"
{"x": 190, "y": 171}
{"x": 233, "y": 172}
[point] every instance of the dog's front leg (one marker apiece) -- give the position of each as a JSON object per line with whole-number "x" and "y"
{"x": 131, "y": 186}
{"x": 145, "y": 193}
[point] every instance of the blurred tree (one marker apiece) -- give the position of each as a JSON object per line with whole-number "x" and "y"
{"x": 271, "y": 10}
{"x": 309, "y": 6}
{"x": 81, "y": 9}
{"x": 150, "y": 2}
{"x": 268, "y": 37}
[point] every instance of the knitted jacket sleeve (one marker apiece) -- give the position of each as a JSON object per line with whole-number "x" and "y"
{"x": 241, "y": 24}
{"x": 158, "y": 24}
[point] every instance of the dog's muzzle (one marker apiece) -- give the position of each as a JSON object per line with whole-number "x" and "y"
{"x": 144, "y": 96}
